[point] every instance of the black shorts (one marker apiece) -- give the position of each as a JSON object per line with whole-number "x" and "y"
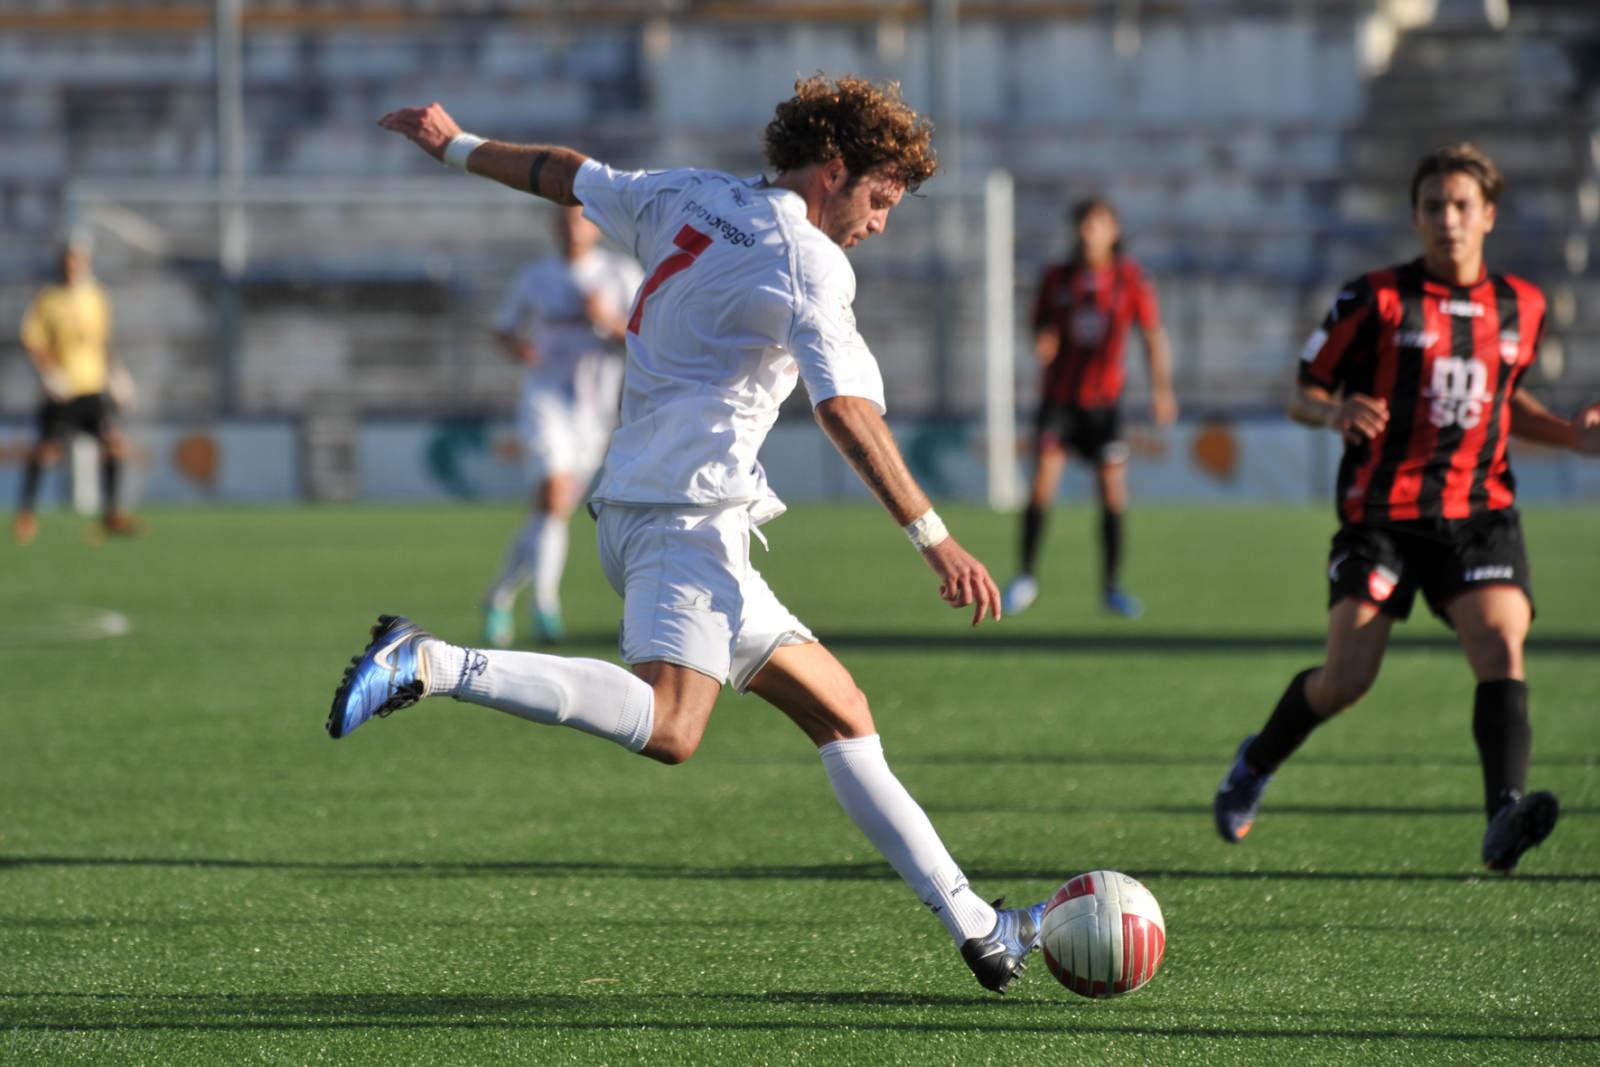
{"x": 1386, "y": 564}
{"x": 84, "y": 414}
{"x": 1093, "y": 433}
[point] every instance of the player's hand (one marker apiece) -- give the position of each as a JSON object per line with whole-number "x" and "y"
{"x": 963, "y": 581}
{"x": 1586, "y": 439}
{"x": 1360, "y": 417}
{"x": 1164, "y": 407}
{"x": 56, "y": 385}
{"x": 430, "y": 128}
{"x": 527, "y": 354}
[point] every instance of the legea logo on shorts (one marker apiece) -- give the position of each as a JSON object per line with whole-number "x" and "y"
{"x": 1488, "y": 574}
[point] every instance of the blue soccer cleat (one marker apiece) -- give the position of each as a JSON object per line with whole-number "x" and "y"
{"x": 1521, "y": 823}
{"x": 1019, "y": 595}
{"x": 1239, "y": 797}
{"x": 1001, "y": 955}
{"x": 390, "y": 673}
{"x": 548, "y": 627}
{"x": 498, "y": 629}
{"x": 1119, "y": 601}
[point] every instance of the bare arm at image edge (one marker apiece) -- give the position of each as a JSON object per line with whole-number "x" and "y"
{"x": 543, "y": 170}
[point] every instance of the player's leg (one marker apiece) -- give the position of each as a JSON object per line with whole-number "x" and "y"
{"x": 808, "y": 684}
{"x": 113, "y": 444}
{"x": 1049, "y": 461}
{"x": 1358, "y": 635}
{"x": 550, "y": 553}
{"x": 1111, "y": 479}
{"x": 1492, "y": 624}
{"x": 680, "y": 600}
{"x": 44, "y": 453}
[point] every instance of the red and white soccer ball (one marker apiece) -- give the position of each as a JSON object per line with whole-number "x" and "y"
{"x": 1103, "y": 934}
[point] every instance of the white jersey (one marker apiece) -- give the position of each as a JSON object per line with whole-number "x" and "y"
{"x": 743, "y": 297}
{"x": 547, "y": 305}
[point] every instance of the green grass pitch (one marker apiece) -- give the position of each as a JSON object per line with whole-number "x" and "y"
{"x": 191, "y": 872}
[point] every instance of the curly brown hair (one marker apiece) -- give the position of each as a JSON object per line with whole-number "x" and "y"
{"x": 866, "y": 125}
{"x": 1463, "y": 158}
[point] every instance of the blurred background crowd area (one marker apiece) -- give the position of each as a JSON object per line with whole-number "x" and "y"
{"x": 1259, "y": 153}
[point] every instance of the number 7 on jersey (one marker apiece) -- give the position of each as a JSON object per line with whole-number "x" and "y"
{"x": 693, "y": 242}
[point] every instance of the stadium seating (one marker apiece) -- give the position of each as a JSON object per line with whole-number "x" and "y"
{"x": 1258, "y": 158}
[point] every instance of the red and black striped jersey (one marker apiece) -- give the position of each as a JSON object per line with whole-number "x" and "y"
{"x": 1090, "y": 309}
{"x": 1446, "y": 358}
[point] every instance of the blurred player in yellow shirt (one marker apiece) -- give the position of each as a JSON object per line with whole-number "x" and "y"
{"x": 65, "y": 332}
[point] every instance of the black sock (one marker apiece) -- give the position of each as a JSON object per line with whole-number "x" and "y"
{"x": 1032, "y": 534}
{"x": 30, "y": 484}
{"x": 1291, "y": 723}
{"x": 110, "y": 475}
{"x": 1505, "y": 739}
{"x": 1110, "y": 547}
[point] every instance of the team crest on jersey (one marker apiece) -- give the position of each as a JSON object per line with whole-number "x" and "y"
{"x": 1461, "y": 309}
{"x": 1380, "y": 583}
{"x": 1510, "y": 346}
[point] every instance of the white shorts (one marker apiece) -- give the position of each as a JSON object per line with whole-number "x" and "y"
{"x": 689, "y": 593}
{"x": 561, "y": 436}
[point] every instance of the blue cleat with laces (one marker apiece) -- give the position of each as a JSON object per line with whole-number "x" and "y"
{"x": 390, "y": 673}
{"x": 1239, "y": 797}
{"x": 1000, "y": 956}
{"x": 1119, "y": 601}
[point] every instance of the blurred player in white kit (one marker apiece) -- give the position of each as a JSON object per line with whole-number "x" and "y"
{"x": 563, "y": 319}
{"x": 748, "y": 293}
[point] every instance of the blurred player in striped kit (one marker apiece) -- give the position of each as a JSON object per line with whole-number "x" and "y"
{"x": 563, "y": 320}
{"x": 1081, "y": 318}
{"x": 66, "y": 333}
{"x": 1419, "y": 368}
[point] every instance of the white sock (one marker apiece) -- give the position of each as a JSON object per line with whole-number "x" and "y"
{"x": 521, "y": 556}
{"x": 549, "y": 561}
{"x": 897, "y": 826}
{"x": 591, "y": 695}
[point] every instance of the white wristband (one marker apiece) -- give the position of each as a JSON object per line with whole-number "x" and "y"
{"x": 459, "y": 148}
{"x": 926, "y": 530}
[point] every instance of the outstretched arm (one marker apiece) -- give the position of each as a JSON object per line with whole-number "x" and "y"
{"x": 1533, "y": 421}
{"x": 543, "y": 170}
{"x": 863, "y": 438}
{"x": 1158, "y": 350}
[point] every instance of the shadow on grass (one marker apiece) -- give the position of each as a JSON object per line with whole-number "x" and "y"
{"x": 837, "y": 872}
{"x": 602, "y": 1011}
{"x": 1212, "y": 761}
{"x": 1155, "y": 641}
{"x": 1203, "y": 811}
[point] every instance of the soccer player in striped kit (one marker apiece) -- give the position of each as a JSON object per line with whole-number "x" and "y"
{"x": 1419, "y": 368}
{"x": 1082, "y": 315}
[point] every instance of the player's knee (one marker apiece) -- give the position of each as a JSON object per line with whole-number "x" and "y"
{"x": 855, "y": 717}
{"x": 676, "y": 732}
{"x": 1497, "y": 649}
{"x": 47, "y": 454}
{"x": 674, "y": 741}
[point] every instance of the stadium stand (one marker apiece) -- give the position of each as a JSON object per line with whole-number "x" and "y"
{"x": 1258, "y": 154}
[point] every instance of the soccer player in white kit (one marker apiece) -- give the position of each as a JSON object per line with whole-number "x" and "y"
{"x": 563, "y": 319}
{"x": 747, "y": 292}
